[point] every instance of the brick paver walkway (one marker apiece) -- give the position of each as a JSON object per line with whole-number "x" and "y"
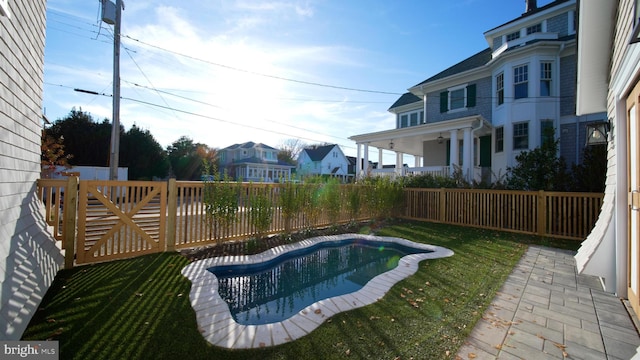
{"x": 545, "y": 310}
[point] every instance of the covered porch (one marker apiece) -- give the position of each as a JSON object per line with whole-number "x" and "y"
{"x": 438, "y": 149}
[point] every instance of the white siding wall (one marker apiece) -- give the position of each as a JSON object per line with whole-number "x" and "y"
{"x": 29, "y": 258}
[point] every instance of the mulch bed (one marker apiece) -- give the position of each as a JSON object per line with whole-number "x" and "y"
{"x": 253, "y": 246}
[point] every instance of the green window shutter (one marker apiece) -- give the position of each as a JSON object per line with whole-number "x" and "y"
{"x": 485, "y": 151}
{"x": 444, "y": 101}
{"x": 471, "y": 95}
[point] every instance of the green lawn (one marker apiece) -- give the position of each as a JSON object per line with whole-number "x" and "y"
{"x": 139, "y": 308}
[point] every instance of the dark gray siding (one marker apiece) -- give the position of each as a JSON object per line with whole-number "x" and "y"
{"x": 483, "y": 104}
{"x": 568, "y": 85}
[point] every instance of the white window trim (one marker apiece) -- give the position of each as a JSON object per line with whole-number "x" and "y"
{"x": 513, "y": 136}
{"x": 452, "y": 89}
{"x": 4, "y": 8}
{"x": 514, "y": 83}
{"x": 496, "y": 140}
{"x": 503, "y": 89}
{"x": 408, "y": 115}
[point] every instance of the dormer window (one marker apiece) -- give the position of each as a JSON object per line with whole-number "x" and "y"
{"x": 513, "y": 36}
{"x": 534, "y": 29}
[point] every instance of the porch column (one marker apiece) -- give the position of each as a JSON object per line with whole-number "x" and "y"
{"x": 399, "y": 169}
{"x": 379, "y": 158}
{"x": 358, "y": 162}
{"x": 366, "y": 160}
{"x": 453, "y": 151}
{"x": 417, "y": 161}
{"x": 467, "y": 160}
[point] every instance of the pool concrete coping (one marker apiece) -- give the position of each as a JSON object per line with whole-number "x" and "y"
{"x": 218, "y": 327}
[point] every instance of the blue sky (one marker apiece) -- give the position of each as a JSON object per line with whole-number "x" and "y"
{"x": 225, "y": 72}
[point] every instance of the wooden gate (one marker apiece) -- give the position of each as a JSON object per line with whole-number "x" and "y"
{"x": 120, "y": 219}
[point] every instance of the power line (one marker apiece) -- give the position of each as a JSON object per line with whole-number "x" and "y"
{"x": 261, "y": 74}
{"x": 91, "y": 92}
{"x": 247, "y": 71}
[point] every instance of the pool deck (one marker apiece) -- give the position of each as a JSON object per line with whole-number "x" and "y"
{"x": 545, "y": 310}
{"x": 218, "y": 327}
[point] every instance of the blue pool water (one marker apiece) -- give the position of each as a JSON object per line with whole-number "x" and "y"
{"x": 275, "y": 290}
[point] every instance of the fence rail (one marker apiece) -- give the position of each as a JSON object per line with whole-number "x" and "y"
{"x": 104, "y": 220}
{"x": 555, "y": 214}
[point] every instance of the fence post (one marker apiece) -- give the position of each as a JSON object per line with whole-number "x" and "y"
{"x": 172, "y": 212}
{"x": 70, "y": 208}
{"x": 443, "y": 201}
{"x": 542, "y": 213}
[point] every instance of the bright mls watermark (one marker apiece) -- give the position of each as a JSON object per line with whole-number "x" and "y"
{"x": 29, "y": 350}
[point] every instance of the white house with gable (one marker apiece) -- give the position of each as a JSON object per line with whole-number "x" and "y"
{"x": 327, "y": 160}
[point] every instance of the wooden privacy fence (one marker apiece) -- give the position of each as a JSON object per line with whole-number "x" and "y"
{"x": 555, "y": 214}
{"x": 106, "y": 220}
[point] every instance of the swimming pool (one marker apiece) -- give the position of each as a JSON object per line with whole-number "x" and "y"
{"x": 220, "y": 328}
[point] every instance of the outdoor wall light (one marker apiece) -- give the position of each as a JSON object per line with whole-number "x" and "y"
{"x": 597, "y": 133}
{"x": 391, "y": 144}
{"x": 440, "y": 139}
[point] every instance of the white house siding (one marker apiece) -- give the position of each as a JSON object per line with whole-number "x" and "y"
{"x": 29, "y": 258}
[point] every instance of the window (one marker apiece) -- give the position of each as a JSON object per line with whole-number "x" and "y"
{"x": 546, "y": 131}
{"x": 521, "y": 136}
{"x": 545, "y": 79}
{"x": 411, "y": 119}
{"x": 458, "y": 98}
{"x": 521, "y": 82}
{"x": 500, "y": 88}
{"x": 534, "y": 29}
{"x": 404, "y": 121}
{"x": 499, "y": 139}
{"x": 635, "y": 37}
{"x": 513, "y": 36}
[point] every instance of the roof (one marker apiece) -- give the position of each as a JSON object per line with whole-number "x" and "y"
{"x": 532, "y": 12}
{"x": 406, "y": 98}
{"x": 483, "y": 57}
{"x": 319, "y": 153}
{"x": 249, "y": 145}
{"x": 470, "y": 63}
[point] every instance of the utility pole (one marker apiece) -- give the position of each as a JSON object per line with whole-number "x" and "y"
{"x": 114, "y": 153}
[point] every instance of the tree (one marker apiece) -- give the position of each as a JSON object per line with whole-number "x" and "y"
{"x": 590, "y": 175}
{"x": 540, "y": 168}
{"x": 89, "y": 144}
{"x": 186, "y": 158}
{"x": 143, "y": 155}
{"x": 53, "y": 154}
{"x": 289, "y": 150}
{"x": 84, "y": 138}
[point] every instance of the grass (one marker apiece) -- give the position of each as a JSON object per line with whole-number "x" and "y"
{"x": 139, "y": 308}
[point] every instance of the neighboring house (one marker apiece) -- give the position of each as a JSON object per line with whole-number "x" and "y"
{"x": 609, "y": 80}
{"x": 29, "y": 256}
{"x": 254, "y": 162}
{"x": 479, "y": 114}
{"x": 328, "y": 160}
